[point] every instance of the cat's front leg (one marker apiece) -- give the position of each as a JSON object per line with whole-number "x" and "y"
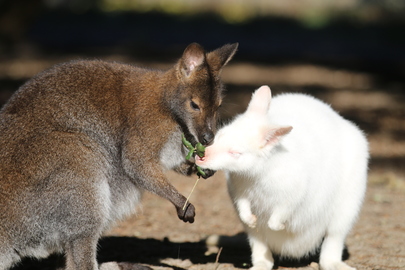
{"x": 245, "y": 212}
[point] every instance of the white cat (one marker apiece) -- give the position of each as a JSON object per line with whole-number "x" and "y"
{"x": 297, "y": 174}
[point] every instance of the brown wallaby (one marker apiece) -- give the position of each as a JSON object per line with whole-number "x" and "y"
{"x": 82, "y": 140}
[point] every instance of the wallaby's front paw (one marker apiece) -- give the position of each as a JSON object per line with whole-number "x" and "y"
{"x": 187, "y": 215}
{"x": 250, "y": 220}
{"x": 275, "y": 225}
{"x": 208, "y": 173}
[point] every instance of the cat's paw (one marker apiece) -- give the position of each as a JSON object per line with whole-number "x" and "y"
{"x": 275, "y": 225}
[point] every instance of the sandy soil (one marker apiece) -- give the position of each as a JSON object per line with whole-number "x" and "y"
{"x": 157, "y": 238}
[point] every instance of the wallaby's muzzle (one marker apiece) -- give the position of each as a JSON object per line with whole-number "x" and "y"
{"x": 207, "y": 138}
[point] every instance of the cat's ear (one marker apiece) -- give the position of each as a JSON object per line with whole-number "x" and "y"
{"x": 193, "y": 57}
{"x": 260, "y": 101}
{"x": 221, "y": 56}
{"x": 272, "y": 135}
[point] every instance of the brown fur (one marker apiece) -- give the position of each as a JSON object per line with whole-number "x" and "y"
{"x": 81, "y": 141}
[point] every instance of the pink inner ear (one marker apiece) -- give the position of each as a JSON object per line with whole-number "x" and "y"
{"x": 192, "y": 65}
{"x": 271, "y": 140}
{"x": 274, "y": 134}
{"x": 193, "y": 57}
{"x": 194, "y": 61}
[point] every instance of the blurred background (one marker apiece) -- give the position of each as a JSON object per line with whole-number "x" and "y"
{"x": 349, "y": 53}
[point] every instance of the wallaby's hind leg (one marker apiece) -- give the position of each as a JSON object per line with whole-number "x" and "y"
{"x": 8, "y": 256}
{"x": 331, "y": 253}
{"x": 262, "y": 258}
{"x": 123, "y": 266}
{"x": 5, "y": 262}
{"x": 333, "y": 244}
{"x": 341, "y": 223}
{"x": 81, "y": 253}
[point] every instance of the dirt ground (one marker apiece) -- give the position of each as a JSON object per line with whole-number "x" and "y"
{"x": 156, "y": 237}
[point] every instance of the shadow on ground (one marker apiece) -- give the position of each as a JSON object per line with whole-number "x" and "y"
{"x": 147, "y": 251}
{"x": 234, "y": 250}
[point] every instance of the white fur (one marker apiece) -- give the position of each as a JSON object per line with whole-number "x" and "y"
{"x": 292, "y": 187}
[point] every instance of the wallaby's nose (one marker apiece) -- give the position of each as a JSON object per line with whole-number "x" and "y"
{"x": 207, "y": 138}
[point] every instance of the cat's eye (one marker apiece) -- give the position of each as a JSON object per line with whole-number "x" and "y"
{"x": 194, "y": 106}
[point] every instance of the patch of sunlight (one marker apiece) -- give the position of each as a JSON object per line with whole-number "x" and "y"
{"x": 315, "y": 19}
{"x": 237, "y": 13}
{"x": 311, "y": 13}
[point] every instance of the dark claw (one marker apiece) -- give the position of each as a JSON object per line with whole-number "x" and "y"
{"x": 187, "y": 215}
{"x": 208, "y": 173}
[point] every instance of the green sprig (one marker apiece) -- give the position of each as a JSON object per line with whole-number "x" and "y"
{"x": 198, "y": 149}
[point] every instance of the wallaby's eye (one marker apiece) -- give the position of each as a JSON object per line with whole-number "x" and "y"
{"x": 194, "y": 106}
{"x": 235, "y": 153}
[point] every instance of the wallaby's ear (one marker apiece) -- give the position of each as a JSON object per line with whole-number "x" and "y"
{"x": 193, "y": 57}
{"x": 260, "y": 102}
{"x": 221, "y": 56}
{"x": 272, "y": 135}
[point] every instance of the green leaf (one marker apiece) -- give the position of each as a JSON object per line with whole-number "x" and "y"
{"x": 190, "y": 153}
{"x": 200, "y": 171}
{"x": 186, "y": 143}
{"x": 200, "y": 149}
